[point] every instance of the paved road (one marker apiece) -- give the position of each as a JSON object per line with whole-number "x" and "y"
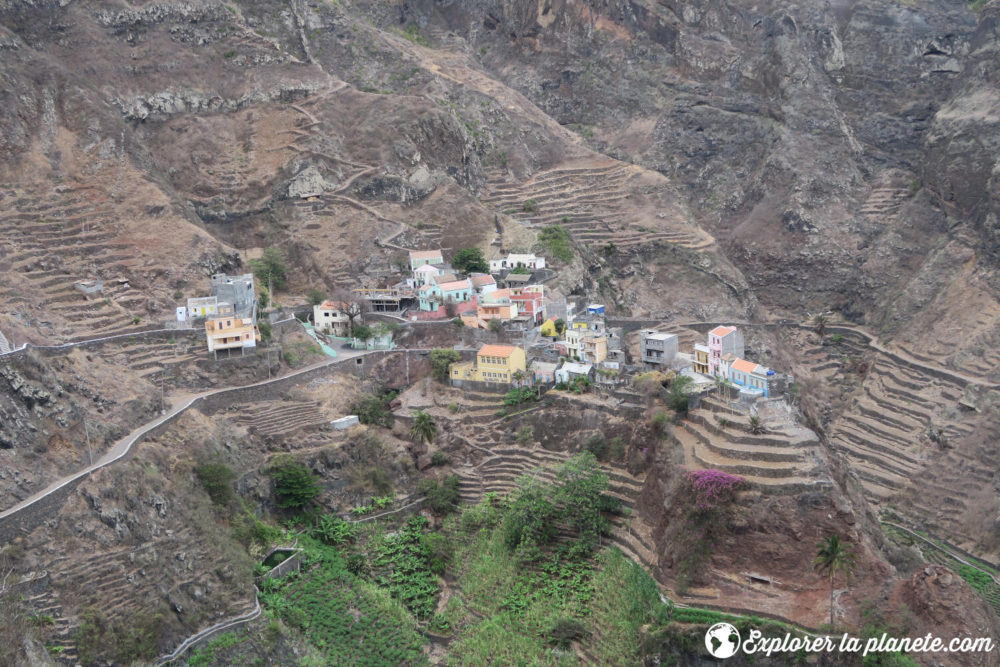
{"x": 122, "y": 447}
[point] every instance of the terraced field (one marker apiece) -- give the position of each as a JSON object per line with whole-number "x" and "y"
{"x": 786, "y": 459}
{"x": 55, "y": 237}
{"x": 598, "y": 202}
{"x": 149, "y": 356}
{"x": 275, "y": 418}
{"x": 885, "y": 432}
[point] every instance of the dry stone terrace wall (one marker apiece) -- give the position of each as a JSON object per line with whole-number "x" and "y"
{"x": 31, "y": 516}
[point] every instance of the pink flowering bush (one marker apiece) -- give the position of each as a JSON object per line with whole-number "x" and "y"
{"x": 712, "y": 488}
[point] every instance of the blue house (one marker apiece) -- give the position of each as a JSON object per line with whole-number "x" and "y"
{"x": 752, "y": 378}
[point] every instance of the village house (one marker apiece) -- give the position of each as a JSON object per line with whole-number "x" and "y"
{"x": 657, "y": 349}
{"x": 543, "y": 372}
{"x": 530, "y": 301}
{"x": 483, "y": 283}
{"x": 753, "y": 379}
{"x": 514, "y": 261}
{"x": 231, "y": 333}
{"x": 238, "y": 291}
{"x": 433, "y": 296}
{"x": 593, "y": 347}
{"x": 516, "y": 280}
{"x": 571, "y": 370}
{"x": 420, "y": 258}
{"x": 496, "y": 305}
{"x": 330, "y": 317}
{"x": 425, "y": 274}
{"x": 722, "y": 340}
{"x": 209, "y": 306}
{"x": 700, "y": 362}
{"x": 495, "y": 364}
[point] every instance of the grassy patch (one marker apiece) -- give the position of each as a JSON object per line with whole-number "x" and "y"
{"x": 555, "y": 241}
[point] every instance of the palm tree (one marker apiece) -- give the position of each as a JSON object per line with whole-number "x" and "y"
{"x": 517, "y": 377}
{"x": 424, "y": 429}
{"x": 833, "y": 556}
{"x": 819, "y": 324}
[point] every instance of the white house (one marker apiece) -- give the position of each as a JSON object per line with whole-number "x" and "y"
{"x": 513, "y": 261}
{"x": 570, "y": 370}
{"x": 330, "y": 317}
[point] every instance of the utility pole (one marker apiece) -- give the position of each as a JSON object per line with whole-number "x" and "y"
{"x": 87, "y": 432}
{"x": 162, "y": 376}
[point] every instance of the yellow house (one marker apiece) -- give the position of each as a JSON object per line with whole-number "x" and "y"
{"x": 494, "y": 363}
{"x": 700, "y": 364}
{"x": 230, "y": 333}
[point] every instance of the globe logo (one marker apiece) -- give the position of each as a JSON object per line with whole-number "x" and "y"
{"x": 722, "y": 640}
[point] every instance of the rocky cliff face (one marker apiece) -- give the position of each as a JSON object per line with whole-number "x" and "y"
{"x": 711, "y": 160}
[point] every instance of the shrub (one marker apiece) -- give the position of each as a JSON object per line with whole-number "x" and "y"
{"x": 294, "y": 485}
{"x": 453, "y": 408}
{"x": 439, "y": 458}
{"x": 441, "y": 359}
{"x": 373, "y": 410}
{"x": 470, "y": 260}
{"x": 565, "y": 630}
{"x": 519, "y": 395}
{"x": 677, "y": 399}
{"x": 442, "y": 498}
{"x": 530, "y": 206}
{"x": 755, "y": 425}
{"x": 439, "y": 550}
{"x": 265, "y": 330}
{"x": 597, "y": 445}
{"x": 555, "y": 241}
{"x": 270, "y": 268}
{"x": 315, "y": 297}
{"x": 712, "y": 488}
{"x": 217, "y": 480}
{"x": 660, "y": 423}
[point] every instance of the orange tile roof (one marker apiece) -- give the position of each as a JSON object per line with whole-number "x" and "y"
{"x": 457, "y": 284}
{"x": 722, "y": 331}
{"x": 334, "y": 305}
{"x": 424, "y": 254}
{"x": 496, "y": 350}
{"x": 744, "y": 366}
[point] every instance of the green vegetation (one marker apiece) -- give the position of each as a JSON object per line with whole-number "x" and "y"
{"x": 441, "y": 359}
{"x": 521, "y": 270}
{"x": 424, "y": 428}
{"x": 373, "y": 409}
{"x": 530, "y": 206}
{"x": 470, "y": 260}
{"x": 348, "y": 619}
{"x": 270, "y": 268}
{"x": 265, "y": 330}
{"x": 294, "y": 484}
{"x": 412, "y": 33}
{"x": 442, "y": 497}
{"x": 605, "y": 450}
{"x": 977, "y": 5}
{"x": 555, "y": 242}
{"x": 217, "y": 480}
{"x": 518, "y": 395}
{"x": 123, "y": 640}
{"x": 677, "y": 399}
{"x": 527, "y": 585}
{"x": 833, "y": 556}
{"x": 315, "y": 297}
{"x": 206, "y": 656}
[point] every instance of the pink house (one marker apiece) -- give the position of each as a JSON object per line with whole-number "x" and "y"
{"x": 723, "y": 340}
